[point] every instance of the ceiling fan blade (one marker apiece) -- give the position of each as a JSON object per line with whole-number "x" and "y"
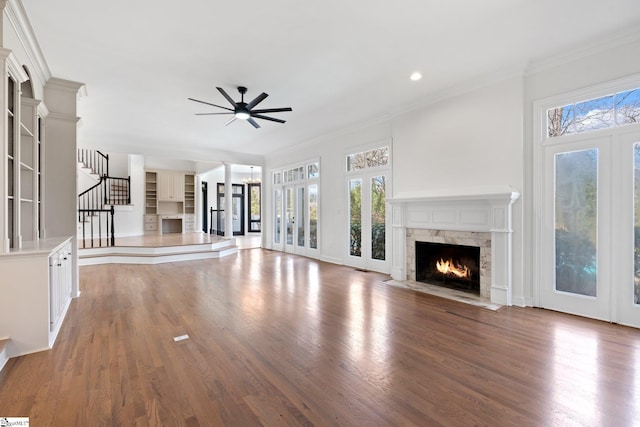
{"x": 226, "y": 96}
{"x": 273, "y": 119}
{"x": 231, "y": 120}
{"x": 258, "y": 99}
{"x": 272, "y": 110}
{"x": 208, "y": 103}
{"x": 213, "y": 114}
{"x": 253, "y": 123}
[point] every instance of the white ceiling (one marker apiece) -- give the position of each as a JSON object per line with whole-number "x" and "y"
{"x": 336, "y": 63}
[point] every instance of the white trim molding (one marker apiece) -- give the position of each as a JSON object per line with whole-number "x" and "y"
{"x": 473, "y": 211}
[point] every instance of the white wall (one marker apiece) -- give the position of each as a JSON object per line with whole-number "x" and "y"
{"x": 472, "y": 140}
{"x": 129, "y": 220}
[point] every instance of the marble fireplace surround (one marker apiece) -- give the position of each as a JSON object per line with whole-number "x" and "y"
{"x": 475, "y": 218}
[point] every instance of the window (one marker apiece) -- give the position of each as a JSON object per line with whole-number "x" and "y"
{"x": 368, "y": 159}
{"x": 608, "y": 111}
{"x": 313, "y": 170}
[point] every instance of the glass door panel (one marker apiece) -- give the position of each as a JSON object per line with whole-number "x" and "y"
{"x": 577, "y": 245}
{"x": 576, "y": 220}
{"x": 378, "y": 218}
{"x": 300, "y": 217}
{"x": 277, "y": 207}
{"x": 313, "y": 216}
{"x": 636, "y": 224}
{"x": 368, "y": 222}
{"x": 255, "y": 216}
{"x": 627, "y": 282}
{"x": 289, "y": 216}
{"x": 355, "y": 217}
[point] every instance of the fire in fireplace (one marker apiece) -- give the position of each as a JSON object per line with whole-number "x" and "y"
{"x": 449, "y": 265}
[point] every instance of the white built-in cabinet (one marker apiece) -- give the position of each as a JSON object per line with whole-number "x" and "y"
{"x": 169, "y": 201}
{"x": 23, "y": 159}
{"x": 38, "y": 264}
{"x": 36, "y": 286}
{"x": 170, "y": 186}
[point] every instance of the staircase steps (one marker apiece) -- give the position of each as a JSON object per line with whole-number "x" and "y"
{"x": 155, "y": 255}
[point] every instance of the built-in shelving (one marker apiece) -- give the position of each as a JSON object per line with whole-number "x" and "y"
{"x": 189, "y": 194}
{"x": 169, "y": 198}
{"x": 11, "y": 159}
{"x": 151, "y": 193}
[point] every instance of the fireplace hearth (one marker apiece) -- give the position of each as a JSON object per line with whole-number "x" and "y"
{"x": 449, "y": 265}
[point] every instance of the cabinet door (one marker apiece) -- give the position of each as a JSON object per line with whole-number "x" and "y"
{"x": 165, "y": 187}
{"x": 178, "y": 187}
{"x": 170, "y": 187}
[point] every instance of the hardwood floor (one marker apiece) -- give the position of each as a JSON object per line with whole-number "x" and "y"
{"x": 276, "y": 339}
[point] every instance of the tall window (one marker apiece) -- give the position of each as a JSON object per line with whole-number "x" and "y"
{"x": 378, "y": 217}
{"x": 367, "y": 181}
{"x": 355, "y": 217}
{"x": 296, "y": 208}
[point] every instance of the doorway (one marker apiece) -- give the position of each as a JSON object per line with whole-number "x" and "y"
{"x": 237, "y": 209}
{"x": 367, "y": 221}
{"x": 590, "y": 248}
{"x": 254, "y": 200}
{"x": 205, "y": 208}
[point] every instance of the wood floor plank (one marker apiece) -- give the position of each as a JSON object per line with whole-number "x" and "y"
{"x": 276, "y": 339}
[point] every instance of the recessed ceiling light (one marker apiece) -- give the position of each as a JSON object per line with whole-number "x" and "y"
{"x": 415, "y": 76}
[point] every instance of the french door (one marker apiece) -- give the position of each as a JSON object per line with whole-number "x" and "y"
{"x": 300, "y": 220}
{"x": 368, "y": 221}
{"x": 294, "y": 221}
{"x": 591, "y": 228}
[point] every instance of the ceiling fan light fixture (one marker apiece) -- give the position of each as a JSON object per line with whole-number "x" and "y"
{"x": 415, "y": 76}
{"x": 243, "y": 110}
{"x": 242, "y": 115}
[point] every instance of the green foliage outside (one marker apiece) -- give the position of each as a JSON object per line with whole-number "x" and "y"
{"x": 378, "y": 220}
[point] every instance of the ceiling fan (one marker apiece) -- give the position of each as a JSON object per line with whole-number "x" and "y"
{"x": 242, "y": 110}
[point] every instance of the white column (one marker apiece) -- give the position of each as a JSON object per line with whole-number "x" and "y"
{"x": 60, "y": 142}
{"x": 228, "y": 202}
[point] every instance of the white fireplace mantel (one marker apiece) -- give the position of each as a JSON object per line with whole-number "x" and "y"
{"x": 481, "y": 211}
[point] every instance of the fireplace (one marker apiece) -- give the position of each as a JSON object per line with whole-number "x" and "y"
{"x": 476, "y": 217}
{"x": 449, "y": 265}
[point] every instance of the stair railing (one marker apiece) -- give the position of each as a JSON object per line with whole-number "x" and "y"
{"x": 93, "y": 209}
{"x": 101, "y": 227}
{"x": 215, "y": 219}
{"x": 108, "y": 191}
{"x": 94, "y": 160}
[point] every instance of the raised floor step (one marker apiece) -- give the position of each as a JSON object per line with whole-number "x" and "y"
{"x": 156, "y": 254}
{"x": 3, "y": 352}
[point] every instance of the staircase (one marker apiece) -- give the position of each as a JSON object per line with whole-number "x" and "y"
{"x": 96, "y": 204}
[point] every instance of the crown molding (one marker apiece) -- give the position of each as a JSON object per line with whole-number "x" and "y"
{"x": 67, "y": 86}
{"x": 620, "y": 38}
{"x": 18, "y": 18}
{"x": 13, "y": 66}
